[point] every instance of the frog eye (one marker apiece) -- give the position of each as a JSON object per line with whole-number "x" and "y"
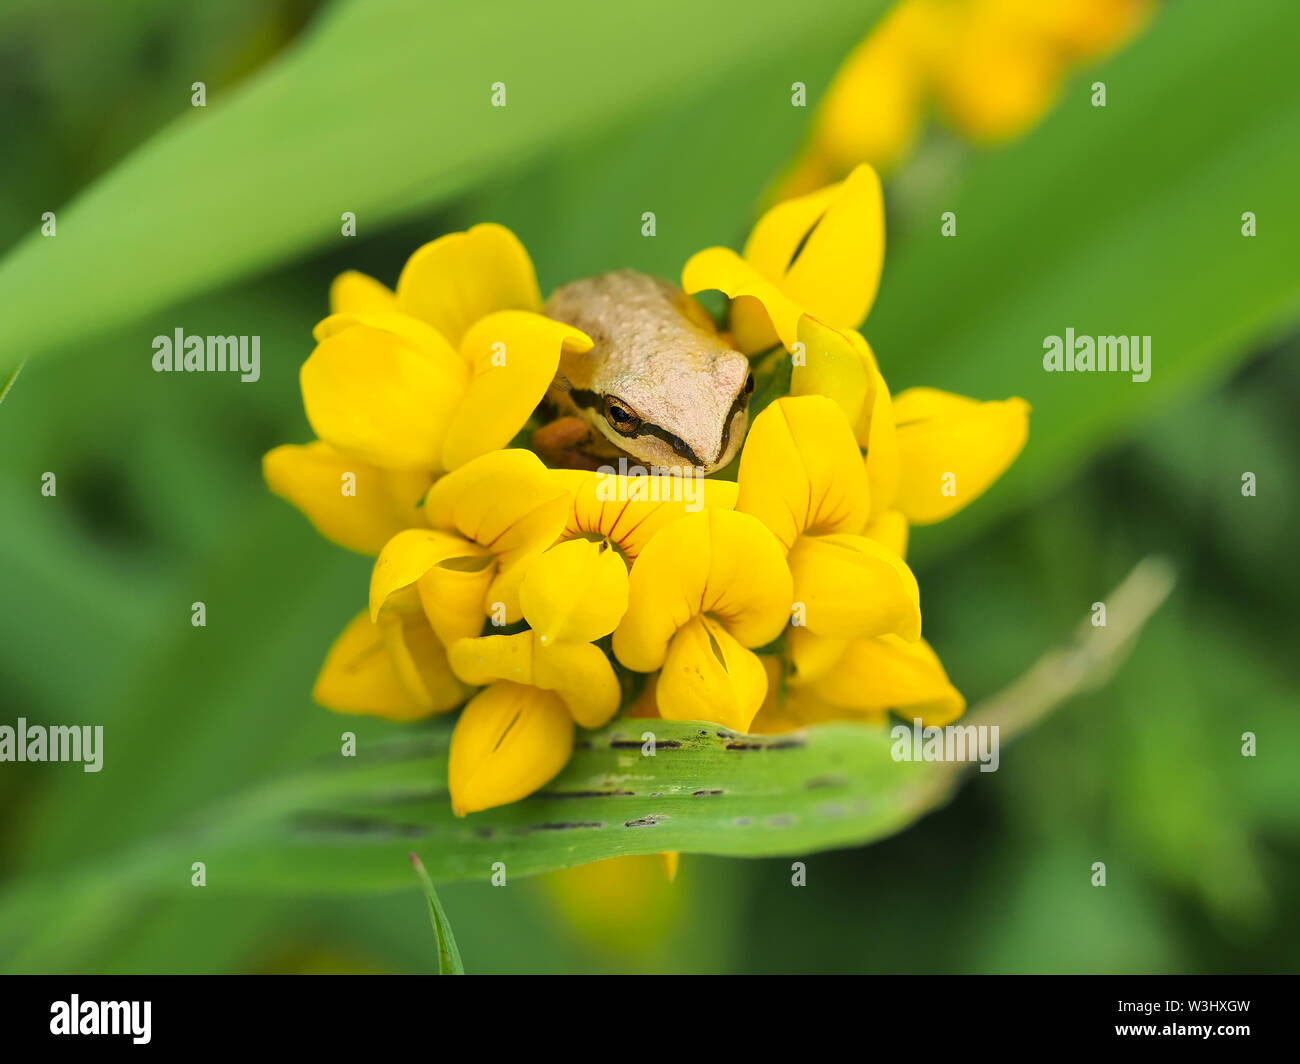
{"x": 620, "y": 417}
{"x": 749, "y": 385}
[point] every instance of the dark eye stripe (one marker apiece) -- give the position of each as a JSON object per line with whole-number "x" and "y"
{"x": 584, "y": 397}
{"x": 738, "y": 404}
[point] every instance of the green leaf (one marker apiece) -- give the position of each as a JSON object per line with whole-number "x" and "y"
{"x": 705, "y": 790}
{"x": 382, "y": 108}
{"x": 449, "y": 962}
{"x": 1122, "y": 220}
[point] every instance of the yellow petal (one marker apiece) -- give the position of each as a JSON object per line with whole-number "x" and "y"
{"x": 509, "y": 741}
{"x": 717, "y": 561}
{"x": 835, "y": 366}
{"x": 381, "y": 396}
{"x": 417, "y": 333}
{"x": 628, "y": 510}
{"x": 576, "y": 591}
{"x": 761, "y": 313}
{"x": 354, "y": 292}
{"x": 790, "y": 707}
{"x": 457, "y": 279}
{"x": 952, "y": 448}
{"x": 579, "y": 673}
{"x": 583, "y": 678}
{"x": 513, "y": 356}
{"x": 456, "y": 596}
{"x": 841, "y": 365}
{"x": 811, "y": 655}
{"x": 782, "y": 230}
{"x": 852, "y": 586}
{"x": 356, "y": 505}
{"x": 508, "y": 502}
{"x": 420, "y": 661}
{"x": 801, "y": 470}
{"x": 888, "y": 673}
{"x": 997, "y": 82}
{"x": 444, "y": 575}
{"x": 889, "y": 528}
{"x": 825, "y": 250}
{"x": 873, "y": 109}
{"x": 360, "y": 676}
{"x": 1084, "y": 28}
{"x": 708, "y": 675}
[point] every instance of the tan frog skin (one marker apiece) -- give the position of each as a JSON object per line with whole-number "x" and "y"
{"x": 659, "y": 384}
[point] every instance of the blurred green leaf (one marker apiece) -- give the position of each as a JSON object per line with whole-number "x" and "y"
{"x": 380, "y": 109}
{"x": 1122, "y": 220}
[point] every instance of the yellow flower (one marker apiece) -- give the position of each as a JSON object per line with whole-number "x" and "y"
{"x": 404, "y": 386}
{"x": 395, "y": 669}
{"x": 578, "y": 589}
{"x": 571, "y": 595}
{"x": 433, "y": 586}
{"x": 992, "y": 68}
{"x": 928, "y": 453}
{"x": 802, "y": 475}
{"x": 354, "y": 504}
{"x": 706, "y": 588}
{"x": 630, "y": 511}
{"x": 871, "y": 677}
{"x": 950, "y": 449}
{"x": 578, "y": 672}
{"x": 415, "y": 392}
{"x": 517, "y": 734}
{"x": 487, "y": 520}
{"x": 823, "y": 679}
{"x": 820, "y": 254}
{"x": 1003, "y": 61}
{"x": 873, "y": 110}
{"x": 510, "y": 740}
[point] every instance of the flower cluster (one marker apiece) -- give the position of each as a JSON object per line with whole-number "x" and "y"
{"x": 526, "y": 596}
{"x": 989, "y": 68}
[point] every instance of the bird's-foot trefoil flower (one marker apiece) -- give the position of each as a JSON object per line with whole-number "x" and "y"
{"x": 802, "y": 475}
{"x": 404, "y": 386}
{"x": 517, "y": 592}
{"x": 990, "y": 69}
{"x": 818, "y": 254}
{"x": 572, "y": 594}
{"x": 927, "y": 453}
{"x": 489, "y": 518}
{"x": 705, "y": 590}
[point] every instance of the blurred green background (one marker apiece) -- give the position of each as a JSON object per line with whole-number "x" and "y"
{"x": 225, "y": 220}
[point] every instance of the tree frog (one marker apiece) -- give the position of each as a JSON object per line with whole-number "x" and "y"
{"x": 659, "y": 383}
